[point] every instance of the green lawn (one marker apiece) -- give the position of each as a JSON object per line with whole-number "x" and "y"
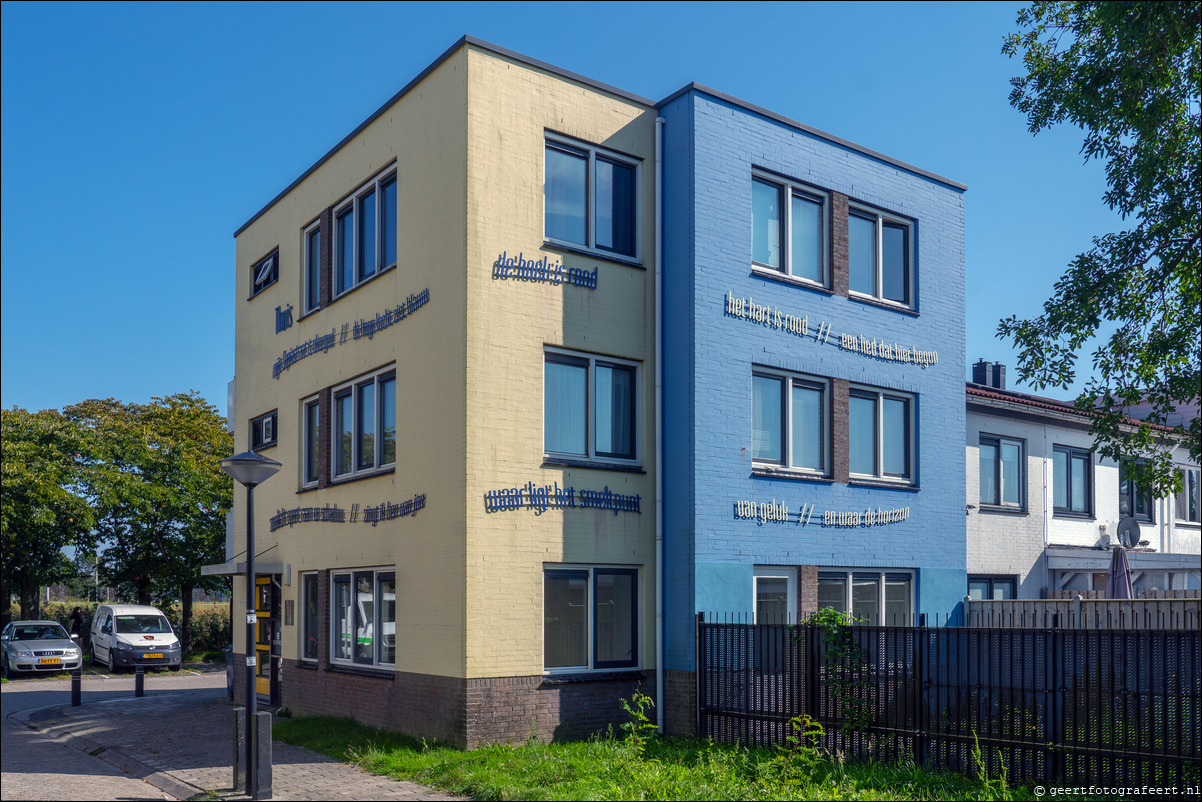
{"x": 612, "y": 768}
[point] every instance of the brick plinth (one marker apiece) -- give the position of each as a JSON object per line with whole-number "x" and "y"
{"x": 680, "y": 702}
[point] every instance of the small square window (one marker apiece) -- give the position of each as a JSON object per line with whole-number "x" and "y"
{"x": 263, "y": 431}
{"x": 264, "y": 273}
{"x": 881, "y": 435}
{"x": 1002, "y": 472}
{"x": 1131, "y": 501}
{"x": 790, "y": 421}
{"x": 1072, "y": 481}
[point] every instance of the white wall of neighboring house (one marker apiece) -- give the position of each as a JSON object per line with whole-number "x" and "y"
{"x": 1045, "y": 550}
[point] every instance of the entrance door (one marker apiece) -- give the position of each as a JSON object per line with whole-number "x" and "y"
{"x": 265, "y": 617}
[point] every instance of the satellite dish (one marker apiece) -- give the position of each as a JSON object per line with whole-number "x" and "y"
{"x": 1128, "y": 532}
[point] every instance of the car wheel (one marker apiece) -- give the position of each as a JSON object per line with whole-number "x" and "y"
{"x": 112, "y": 663}
{"x": 95, "y": 662}
{"x": 7, "y": 673}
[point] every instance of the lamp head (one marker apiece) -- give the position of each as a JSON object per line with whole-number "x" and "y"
{"x": 250, "y": 469}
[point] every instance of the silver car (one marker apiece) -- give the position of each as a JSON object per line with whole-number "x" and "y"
{"x": 33, "y": 646}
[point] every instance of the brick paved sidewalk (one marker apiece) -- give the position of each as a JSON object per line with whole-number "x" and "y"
{"x": 182, "y": 744}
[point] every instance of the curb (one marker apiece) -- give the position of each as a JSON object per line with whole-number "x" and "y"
{"x": 114, "y": 757}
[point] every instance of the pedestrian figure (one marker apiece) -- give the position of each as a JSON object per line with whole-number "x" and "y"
{"x": 75, "y": 625}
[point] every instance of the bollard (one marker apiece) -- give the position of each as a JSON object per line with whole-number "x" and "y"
{"x": 263, "y": 754}
{"x": 77, "y": 686}
{"x": 239, "y": 721}
{"x": 140, "y": 681}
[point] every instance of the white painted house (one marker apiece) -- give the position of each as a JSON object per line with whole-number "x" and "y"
{"x": 1044, "y": 511}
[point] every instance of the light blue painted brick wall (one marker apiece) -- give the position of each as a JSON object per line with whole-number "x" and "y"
{"x": 711, "y": 148}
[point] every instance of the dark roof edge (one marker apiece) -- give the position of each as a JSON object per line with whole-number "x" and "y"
{"x": 463, "y": 40}
{"x": 1035, "y": 402}
{"x": 696, "y": 87}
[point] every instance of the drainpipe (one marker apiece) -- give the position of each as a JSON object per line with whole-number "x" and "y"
{"x": 1047, "y": 510}
{"x": 659, "y": 423}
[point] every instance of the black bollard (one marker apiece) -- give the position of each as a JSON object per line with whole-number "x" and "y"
{"x": 77, "y": 687}
{"x": 140, "y": 681}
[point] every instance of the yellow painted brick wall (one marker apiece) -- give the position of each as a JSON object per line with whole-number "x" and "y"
{"x": 510, "y": 109}
{"x": 425, "y": 133}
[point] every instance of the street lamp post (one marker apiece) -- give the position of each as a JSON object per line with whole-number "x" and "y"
{"x": 250, "y": 470}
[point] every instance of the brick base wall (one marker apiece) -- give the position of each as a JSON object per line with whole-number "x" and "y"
{"x": 680, "y": 702}
{"x": 464, "y": 712}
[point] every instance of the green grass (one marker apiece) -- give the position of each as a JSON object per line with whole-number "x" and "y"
{"x": 611, "y": 768}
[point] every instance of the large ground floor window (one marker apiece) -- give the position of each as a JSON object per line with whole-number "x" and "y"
{"x": 871, "y": 597}
{"x": 590, "y": 618}
{"x": 363, "y": 617}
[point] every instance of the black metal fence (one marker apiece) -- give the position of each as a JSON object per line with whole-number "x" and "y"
{"x": 1111, "y": 707}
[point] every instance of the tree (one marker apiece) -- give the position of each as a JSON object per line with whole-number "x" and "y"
{"x": 41, "y": 510}
{"x": 1127, "y": 73}
{"x": 158, "y": 494}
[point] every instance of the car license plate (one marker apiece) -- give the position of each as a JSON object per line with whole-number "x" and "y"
{"x": 46, "y": 660}
{"x": 150, "y": 656}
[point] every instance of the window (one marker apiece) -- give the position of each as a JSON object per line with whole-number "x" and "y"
{"x": 788, "y": 234}
{"x": 992, "y": 587}
{"x": 590, "y": 618}
{"x": 1001, "y": 478}
{"x": 590, "y": 198}
{"x": 1187, "y": 499}
{"x": 789, "y": 421}
{"x": 880, "y": 254}
{"x": 1131, "y": 500}
{"x": 362, "y": 411}
{"x": 365, "y": 234}
{"x": 1072, "y": 485}
{"x": 364, "y": 617}
{"x": 870, "y": 597}
{"x": 881, "y": 435}
{"x": 311, "y": 418}
{"x": 775, "y": 596}
{"x": 589, "y": 407}
{"x": 264, "y": 273}
{"x": 309, "y": 615}
{"x": 312, "y": 269}
{"x": 262, "y": 431}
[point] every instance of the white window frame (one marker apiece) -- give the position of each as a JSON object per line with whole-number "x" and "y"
{"x": 354, "y": 202}
{"x": 881, "y": 575}
{"x": 306, "y": 275}
{"x": 882, "y": 217}
{"x": 304, "y": 615}
{"x": 881, "y": 394}
{"x": 264, "y": 431}
{"x": 306, "y": 404}
{"x": 775, "y": 572}
{"x": 265, "y": 272}
{"x": 999, "y": 482}
{"x": 378, "y": 637}
{"x": 1181, "y": 500}
{"x": 591, "y": 617}
{"x": 591, "y": 406}
{"x": 787, "y": 190}
{"x": 787, "y": 458}
{"x": 592, "y": 152}
{"x": 354, "y": 388}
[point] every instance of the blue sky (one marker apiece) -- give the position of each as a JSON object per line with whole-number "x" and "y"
{"x": 137, "y": 137}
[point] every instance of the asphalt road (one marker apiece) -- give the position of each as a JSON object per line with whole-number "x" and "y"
{"x": 35, "y": 766}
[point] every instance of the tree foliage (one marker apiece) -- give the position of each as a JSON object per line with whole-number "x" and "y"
{"x": 42, "y": 510}
{"x": 1127, "y": 74}
{"x": 157, "y": 493}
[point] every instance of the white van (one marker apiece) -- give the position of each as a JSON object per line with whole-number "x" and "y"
{"x": 132, "y": 635}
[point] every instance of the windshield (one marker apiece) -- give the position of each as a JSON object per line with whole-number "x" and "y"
{"x": 150, "y": 624}
{"x": 40, "y": 632}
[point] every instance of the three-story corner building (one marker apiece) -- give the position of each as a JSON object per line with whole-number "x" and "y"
{"x": 813, "y": 318}
{"x": 445, "y": 334}
{"x": 1045, "y": 510}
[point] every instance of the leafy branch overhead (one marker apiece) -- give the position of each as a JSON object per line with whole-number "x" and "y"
{"x": 1128, "y": 75}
